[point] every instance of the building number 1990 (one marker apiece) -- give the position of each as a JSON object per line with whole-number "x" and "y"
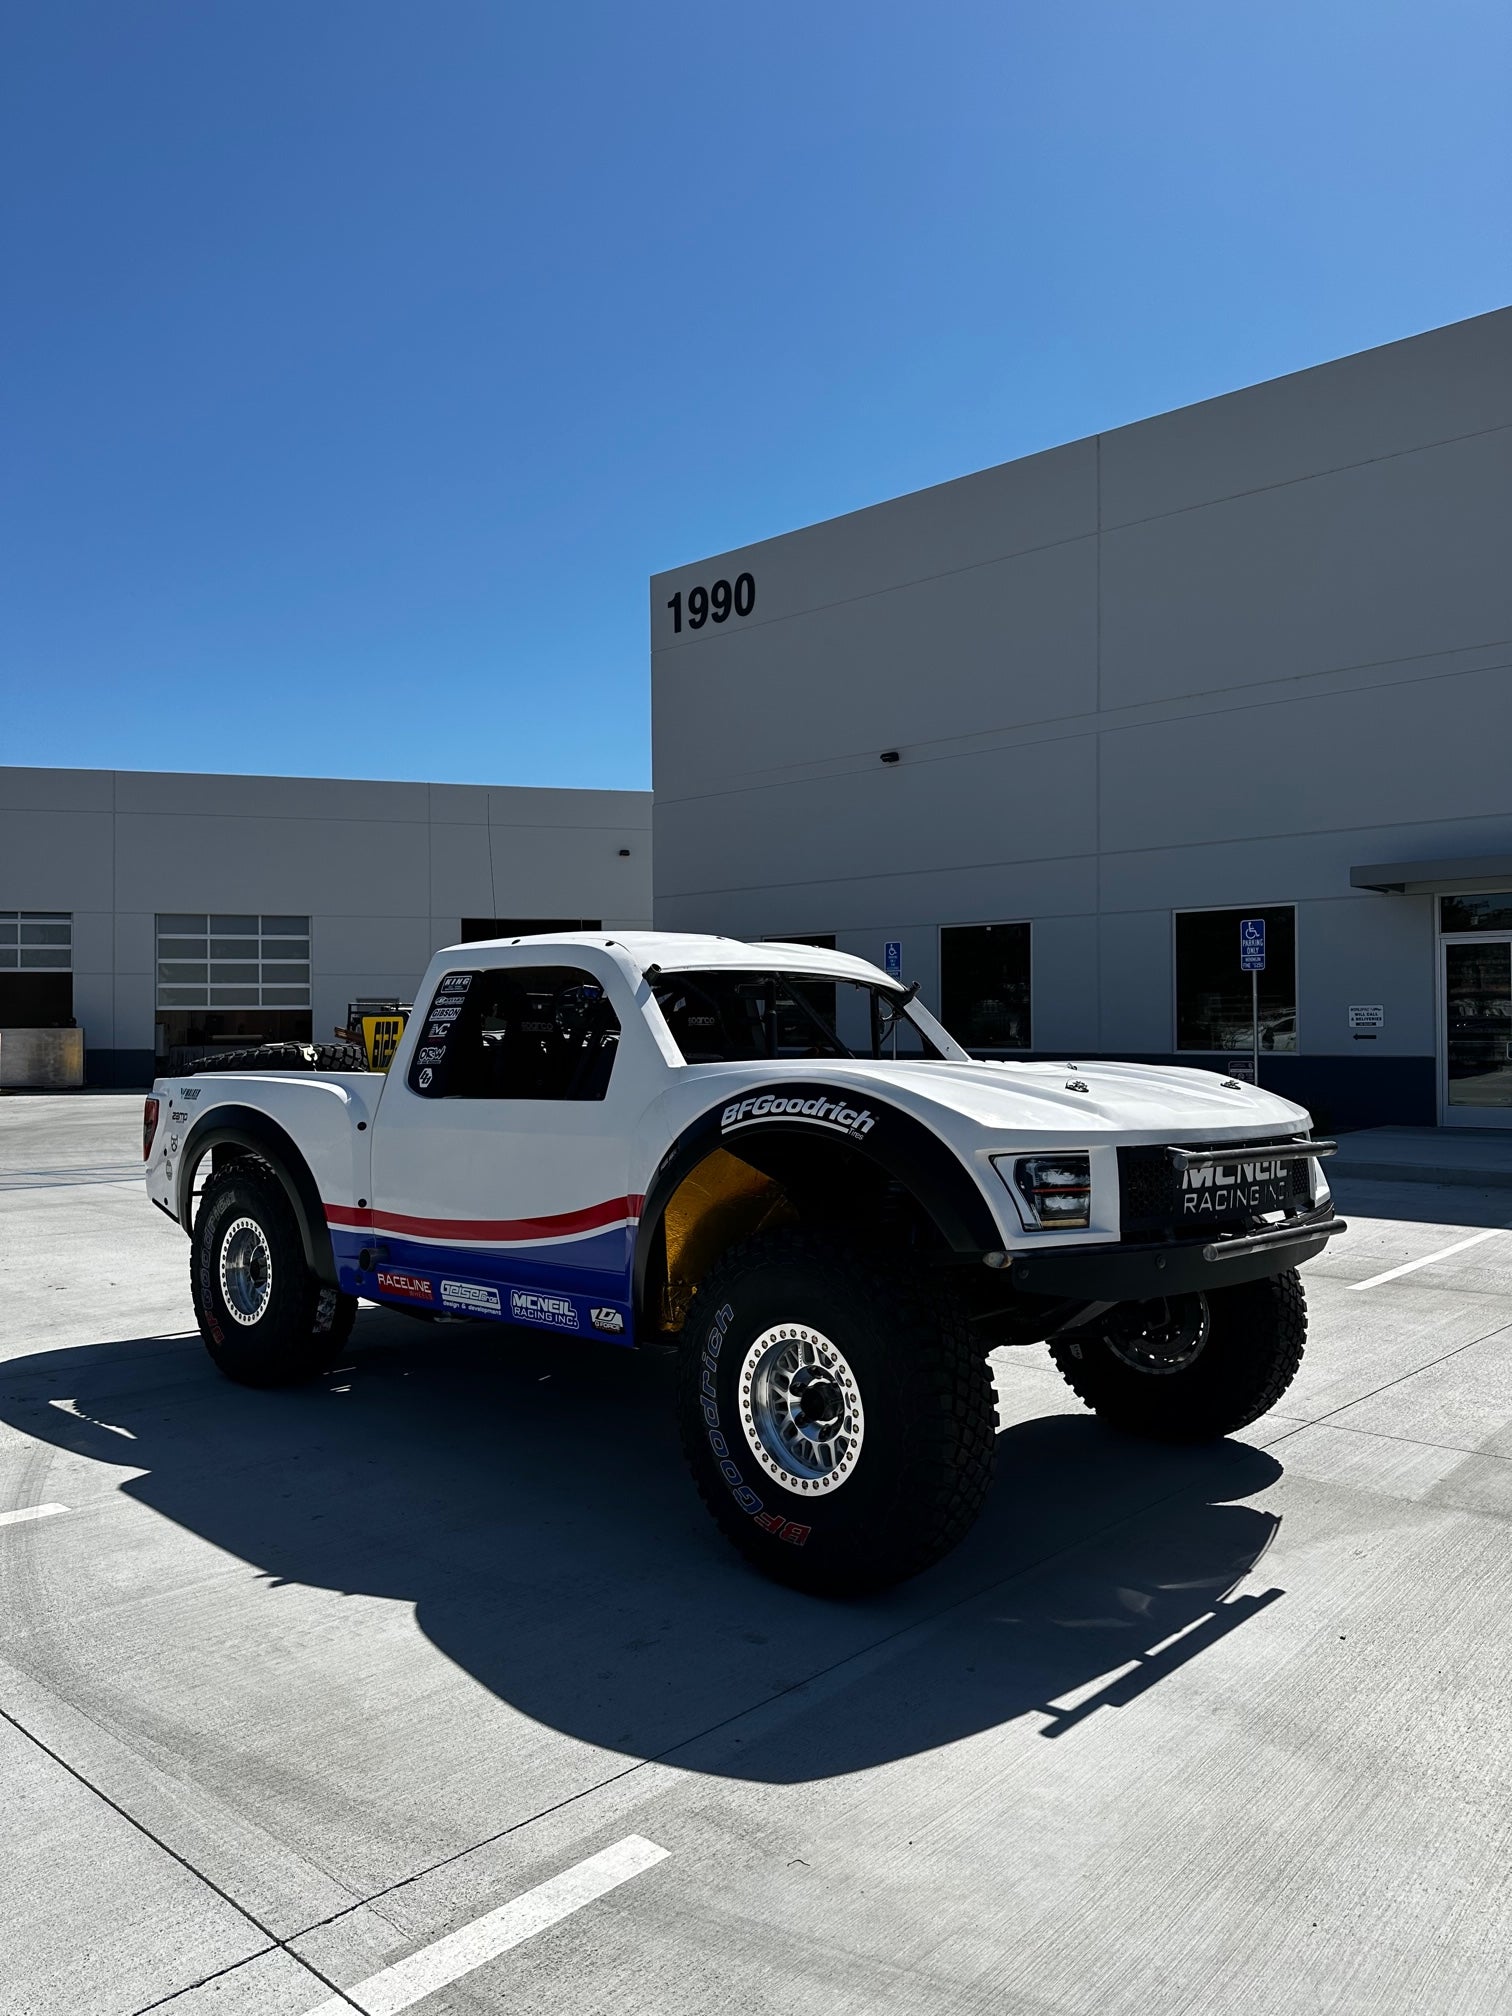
{"x": 719, "y": 602}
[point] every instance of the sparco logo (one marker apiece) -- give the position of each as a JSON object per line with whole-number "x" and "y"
{"x": 819, "y": 1112}
{"x": 553, "y": 1310}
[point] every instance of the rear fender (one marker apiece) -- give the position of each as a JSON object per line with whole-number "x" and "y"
{"x": 245, "y": 1130}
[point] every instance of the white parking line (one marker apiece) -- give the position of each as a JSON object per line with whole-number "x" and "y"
{"x": 29, "y": 1512}
{"x": 1444, "y": 1253}
{"x": 407, "y": 1981}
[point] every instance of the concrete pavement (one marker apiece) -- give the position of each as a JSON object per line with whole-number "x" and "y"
{"x": 300, "y": 1685}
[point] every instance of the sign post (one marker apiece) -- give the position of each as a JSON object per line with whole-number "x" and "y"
{"x": 1252, "y": 961}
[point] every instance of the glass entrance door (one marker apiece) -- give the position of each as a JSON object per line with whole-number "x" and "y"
{"x": 1476, "y": 1065}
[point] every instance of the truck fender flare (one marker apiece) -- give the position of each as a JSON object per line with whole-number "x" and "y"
{"x": 245, "y": 1127}
{"x": 903, "y": 1146}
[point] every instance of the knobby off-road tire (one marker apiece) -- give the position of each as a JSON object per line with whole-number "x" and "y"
{"x": 1247, "y": 1353}
{"x": 265, "y": 1318}
{"x": 881, "y": 1356}
{"x": 286, "y": 1057}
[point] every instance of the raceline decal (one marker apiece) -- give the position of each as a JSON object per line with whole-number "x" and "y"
{"x": 827, "y": 1111}
{"x": 770, "y": 1522}
{"x": 413, "y": 1287}
{"x": 532, "y": 1305}
{"x": 470, "y": 1295}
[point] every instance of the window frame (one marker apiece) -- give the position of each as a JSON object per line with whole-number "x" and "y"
{"x": 256, "y": 992}
{"x": 1238, "y": 910}
{"x": 36, "y": 919}
{"x": 481, "y": 976}
{"x": 986, "y": 924}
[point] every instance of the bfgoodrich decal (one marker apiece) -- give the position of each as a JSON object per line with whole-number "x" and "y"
{"x": 530, "y": 1305}
{"x": 827, "y": 1110}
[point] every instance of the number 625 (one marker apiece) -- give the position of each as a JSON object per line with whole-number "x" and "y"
{"x": 720, "y": 602}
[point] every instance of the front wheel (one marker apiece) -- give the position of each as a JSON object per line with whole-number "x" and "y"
{"x": 1193, "y": 1368}
{"x": 837, "y": 1415}
{"x": 265, "y": 1318}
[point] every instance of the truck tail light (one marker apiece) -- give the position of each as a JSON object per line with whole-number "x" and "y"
{"x": 1055, "y": 1189}
{"x": 149, "y": 1125}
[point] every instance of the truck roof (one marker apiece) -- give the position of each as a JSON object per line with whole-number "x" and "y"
{"x": 689, "y": 951}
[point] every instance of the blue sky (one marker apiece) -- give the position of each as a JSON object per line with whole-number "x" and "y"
{"x": 363, "y": 360}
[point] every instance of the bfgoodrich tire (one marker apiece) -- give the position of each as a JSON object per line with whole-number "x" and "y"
{"x": 837, "y": 1415}
{"x": 265, "y": 1318}
{"x": 1193, "y": 1369}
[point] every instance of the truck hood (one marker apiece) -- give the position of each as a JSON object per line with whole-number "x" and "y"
{"x": 1135, "y": 1102}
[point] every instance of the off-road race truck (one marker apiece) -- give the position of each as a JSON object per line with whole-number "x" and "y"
{"x": 774, "y": 1161}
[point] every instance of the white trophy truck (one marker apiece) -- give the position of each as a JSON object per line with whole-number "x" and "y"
{"x": 775, "y": 1161}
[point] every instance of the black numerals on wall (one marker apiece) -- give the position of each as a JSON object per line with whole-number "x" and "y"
{"x": 721, "y": 602}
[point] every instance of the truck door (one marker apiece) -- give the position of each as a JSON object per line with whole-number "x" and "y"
{"x": 501, "y": 1158}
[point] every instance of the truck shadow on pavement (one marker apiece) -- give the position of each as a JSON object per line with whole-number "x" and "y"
{"x": 528, "y": 1499}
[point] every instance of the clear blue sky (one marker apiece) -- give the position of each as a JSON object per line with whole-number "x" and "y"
{"x": 361, "y": 361}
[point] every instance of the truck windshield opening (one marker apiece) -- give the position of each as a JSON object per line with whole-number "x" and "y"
{"x": 729, "y": 1017}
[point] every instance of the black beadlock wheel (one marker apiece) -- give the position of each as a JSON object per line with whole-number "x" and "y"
{"x": 837, "y": 1415}
{"x": 1194, "y": 1369}
{"x": 265, "y": 1318}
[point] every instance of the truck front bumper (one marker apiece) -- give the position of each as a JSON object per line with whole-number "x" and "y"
{"x": 1141, "y": 1273}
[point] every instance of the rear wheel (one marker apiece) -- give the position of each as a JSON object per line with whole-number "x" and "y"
{"x": 837, "y": 1415}
{"x": 265, "y": 1318}
{"x": 1193, "y": 1368}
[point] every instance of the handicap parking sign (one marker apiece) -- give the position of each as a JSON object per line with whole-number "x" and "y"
{"x": 892, "y": 958}
{"x": 1251, "y": 944}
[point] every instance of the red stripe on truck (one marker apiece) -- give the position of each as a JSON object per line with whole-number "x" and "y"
{"x": 561, "y": 1224}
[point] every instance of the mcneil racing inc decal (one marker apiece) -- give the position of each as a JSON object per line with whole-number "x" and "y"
{"x": 1225, "y": 1187}
{"x": 825, "y": 1110}
{"x": 770, "y": 1522}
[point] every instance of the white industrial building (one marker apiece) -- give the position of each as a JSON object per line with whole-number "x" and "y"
{"x": 1050, "y": 732}
{"x": 159, "y": 910}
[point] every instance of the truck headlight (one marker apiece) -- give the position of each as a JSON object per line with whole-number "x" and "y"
{"x": 1055, "y": 1191}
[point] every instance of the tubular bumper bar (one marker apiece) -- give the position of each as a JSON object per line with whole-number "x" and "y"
{"x": 1140, "y": 1273}
{"x": 1314, "y": 1224}
{"x": 1252, "y": 1151}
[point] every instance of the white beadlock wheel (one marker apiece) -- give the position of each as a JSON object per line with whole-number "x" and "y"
{"x": 246, "y": 1270}
{"x": 800, "y": 1408}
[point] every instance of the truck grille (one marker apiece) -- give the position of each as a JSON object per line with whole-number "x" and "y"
{"x": 1150, "y": 1191}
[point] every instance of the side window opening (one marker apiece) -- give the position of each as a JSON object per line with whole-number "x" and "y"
{"x": 518, "y": 1032}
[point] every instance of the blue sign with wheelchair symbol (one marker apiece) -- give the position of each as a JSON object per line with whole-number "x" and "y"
{"x": 1251, "y": 944}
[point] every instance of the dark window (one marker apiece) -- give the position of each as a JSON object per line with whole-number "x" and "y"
{"x": 476, "y": 928}
{"x": 1476, "y": 913}
{"x": 1213, "y": 992}
{"x": 36, "y": 1000}
{"x": 518, "y": 1032}
{"x": 984, "y": 985}
{"x": 185, "y": 1034}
